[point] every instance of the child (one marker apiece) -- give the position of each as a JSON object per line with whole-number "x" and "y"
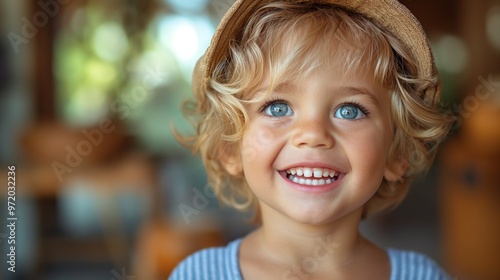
{"x": 316, "y": 114}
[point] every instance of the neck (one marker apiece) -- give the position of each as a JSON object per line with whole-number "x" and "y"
{"x": 296, "y": 245}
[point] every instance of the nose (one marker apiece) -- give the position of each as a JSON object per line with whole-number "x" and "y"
{"x": 313, "y": 132}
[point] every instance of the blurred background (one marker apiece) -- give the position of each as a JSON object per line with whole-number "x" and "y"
{"x": 90, "y": 89}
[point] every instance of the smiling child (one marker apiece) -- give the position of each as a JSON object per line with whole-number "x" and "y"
{"x": 312, "y": 113}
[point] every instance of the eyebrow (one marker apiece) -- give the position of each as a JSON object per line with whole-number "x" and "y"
{"x": 279, "y": 88}
{"x": 343, "y": 91}
{"x": 360, "y": 91}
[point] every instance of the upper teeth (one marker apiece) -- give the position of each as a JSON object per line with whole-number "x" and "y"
{"x": 312, "y": 172}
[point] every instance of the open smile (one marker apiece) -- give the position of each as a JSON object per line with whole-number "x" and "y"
{"x": 312, "y": 176}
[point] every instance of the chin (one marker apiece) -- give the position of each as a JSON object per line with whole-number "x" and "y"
{"x": 321, "y": 216}
{"x": 315, "y": 217}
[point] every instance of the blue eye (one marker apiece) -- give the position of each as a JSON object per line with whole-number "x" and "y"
{"x": 349, "y": 112}
{"x": 278, "y": 109}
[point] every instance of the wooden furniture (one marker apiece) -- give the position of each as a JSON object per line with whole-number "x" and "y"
{"x": 106, "y": 164}
{"x": 161, "y": 246}
{"x": 470, "y": 196}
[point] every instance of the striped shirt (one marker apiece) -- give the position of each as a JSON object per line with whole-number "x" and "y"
{"x": 221, "y": 263}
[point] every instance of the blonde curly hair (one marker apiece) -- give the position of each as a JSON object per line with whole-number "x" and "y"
{"x": 284, "y": 41}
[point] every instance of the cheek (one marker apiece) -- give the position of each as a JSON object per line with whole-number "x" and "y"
{"x": 257, "y": 141}
{"x": 369, "y": 151}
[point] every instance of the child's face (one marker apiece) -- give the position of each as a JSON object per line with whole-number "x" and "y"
{"x": 331, "y": 125}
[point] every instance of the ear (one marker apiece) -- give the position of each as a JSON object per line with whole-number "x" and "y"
{"x": 231, "y": 161}
{"x": 394, "y": 172}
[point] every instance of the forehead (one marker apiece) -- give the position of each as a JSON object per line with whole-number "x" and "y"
{"x": 334, "y": 80}
{"x": 336, "y": 64}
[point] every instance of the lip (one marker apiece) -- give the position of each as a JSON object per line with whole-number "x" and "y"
{"x": 313, "y": 189}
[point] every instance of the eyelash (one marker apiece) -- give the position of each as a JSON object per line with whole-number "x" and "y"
{"x": 356, "y": 104}
{"x": 273, "y": 100}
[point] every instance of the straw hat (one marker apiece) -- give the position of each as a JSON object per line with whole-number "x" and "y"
{"x": 389, "y": 13}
